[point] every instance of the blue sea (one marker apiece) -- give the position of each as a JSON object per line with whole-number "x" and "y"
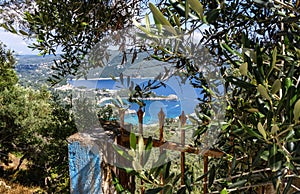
{"x": 187, "y": 97}
{"x": 171, "y": 108}
{"x": 32, "y": 67}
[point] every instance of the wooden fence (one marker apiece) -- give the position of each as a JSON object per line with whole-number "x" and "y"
{"x": 123, "y": 139}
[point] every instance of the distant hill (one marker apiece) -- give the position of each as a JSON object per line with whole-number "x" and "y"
{"x": 35, "y": 70}
{"x": 142, "y": 66}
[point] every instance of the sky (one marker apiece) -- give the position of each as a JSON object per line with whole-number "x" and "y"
{"x": 20, "y": 45}
{"x": 16, "y": 43}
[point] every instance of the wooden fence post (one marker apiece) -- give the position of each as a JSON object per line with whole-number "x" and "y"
{"x": 122, "y": 116}
{"x": 161, "y": 119}
{"x": 124, "y": 178}
{"x": 182, "y": 120}
{"x": 205, "y": 161}
{"x": 140, "y": 114}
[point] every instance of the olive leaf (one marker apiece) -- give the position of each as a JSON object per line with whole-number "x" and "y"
{"x": 244, "y": 68}
{"x": 297, "y": 110}
{"x": 197, "y": 7}
{"x": 263, "y": 91}
{"x": 261, "y": 130}
{"x": 274, "y": 129}
{"x": 276, "y": 86}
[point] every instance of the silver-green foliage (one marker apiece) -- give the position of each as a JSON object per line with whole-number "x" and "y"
{"x": 256, "y": 46}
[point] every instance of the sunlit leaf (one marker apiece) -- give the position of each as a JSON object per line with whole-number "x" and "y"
{"x": 159, "y": 17}
{"x": 187, "y": 9}
{"x": 229, "y": 49}
{"x": 121, "y": 152}
{"x": 141, "y": 144}
{"x": 244, "y": 68}
{"x": 274, "y": 129}
{"x": 263, "y": 91}
{"x": 261, "y": 130}
{"x": 138, "y": 25}
{"x": 265, "y": 155}
{"x": 131, "y": 153}
{"x": 252, "y": 110}
{"x": 147, "y": 151}
{"x": 132, "y": 141}
{"x": 177, "y": 21}
{"x": 136, "y": 165}
{"x": 297, "y": 110}
{"x": 197, "y": 7}
{"x": 276, "y": 86}
{"x": 147, "y": 22}
{"x": 224, "y": 191}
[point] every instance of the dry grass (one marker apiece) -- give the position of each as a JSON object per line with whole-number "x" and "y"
{"x": 15, "y": 162}
{"x": 7, "y": 187}
{"x": 13, "y": 188}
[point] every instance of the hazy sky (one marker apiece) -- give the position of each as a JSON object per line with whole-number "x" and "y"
{"x": 15, "y": 42}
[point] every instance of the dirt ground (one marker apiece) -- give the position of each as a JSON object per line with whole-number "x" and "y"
{"x": 6, "y": 185}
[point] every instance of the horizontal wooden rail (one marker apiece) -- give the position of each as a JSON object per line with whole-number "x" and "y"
{"x": 177, "y": 147}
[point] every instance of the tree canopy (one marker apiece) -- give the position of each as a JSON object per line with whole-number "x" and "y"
{"x": 256, "y": 45}
{"x": 71, "y": 28}
{"x": 34, "y": 125}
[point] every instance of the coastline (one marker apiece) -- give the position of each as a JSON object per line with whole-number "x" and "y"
{"x": 167, "y": 98}
{"x": 109, "y": 78}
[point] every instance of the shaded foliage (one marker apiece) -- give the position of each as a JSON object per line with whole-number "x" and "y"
{"x": 23, "y": 110}
{"x": 34, "y": 125}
